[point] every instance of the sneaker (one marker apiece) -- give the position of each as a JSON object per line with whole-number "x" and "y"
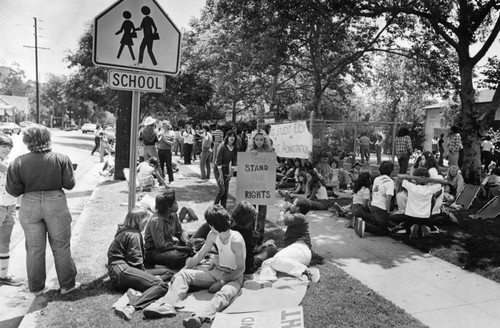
{"x": 339, "y": 209}
{"x": 359, "y": 228}
{"x": 435, "y": 229}
{"x": 256, "y": 284}
{"x": 414, "y": 231}
{"x": 453, "y": 218}
{"x": 11, "y": 281}
{"x": 193, "y": 322}
{"x": 65, "y": 291}
{"x": 313, "y": 274}
{"x": 159, "y": 310}
{"x": 40, "y": 292}
{"x": 426, "y": 231}
{"x": 125, "y": 312}
{"x": 396, "y": 228}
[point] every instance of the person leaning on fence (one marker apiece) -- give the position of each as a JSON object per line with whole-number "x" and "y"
{"x": 224, "y": 279}
{"x": 126, "y": 265}
{"x": 403, "y": 149}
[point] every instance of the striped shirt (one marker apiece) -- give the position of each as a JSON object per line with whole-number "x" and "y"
{"x": 218, "y": 135}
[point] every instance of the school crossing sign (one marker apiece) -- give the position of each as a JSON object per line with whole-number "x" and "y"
{"x": 137, "y": 35}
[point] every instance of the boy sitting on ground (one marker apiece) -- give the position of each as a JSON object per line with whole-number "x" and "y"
{"x": 296, "y": 256}
{"x": 224, "y": 279}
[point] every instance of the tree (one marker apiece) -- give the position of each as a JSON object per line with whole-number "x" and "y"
{"x": 459, "y": 24}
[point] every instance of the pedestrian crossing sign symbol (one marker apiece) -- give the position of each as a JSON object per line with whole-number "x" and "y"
{"x": 136, "y": 35}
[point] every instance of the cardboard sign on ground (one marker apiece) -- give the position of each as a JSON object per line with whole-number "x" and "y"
{"x": 290, "y": 317}
{"x": 467, "y": 196}
{"x": 491, "y": 210}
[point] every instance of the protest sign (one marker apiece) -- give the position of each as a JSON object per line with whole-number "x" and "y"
{"x": 292, "y": 140}
{"x": 256, "y": 180}
{"x": 291, "y": 317}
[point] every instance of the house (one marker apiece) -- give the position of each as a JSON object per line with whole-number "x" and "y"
{"x": 433, "y": 113}
{"x": 11, "y": 105}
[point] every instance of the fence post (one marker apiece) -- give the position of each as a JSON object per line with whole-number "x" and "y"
{"x": 311, "y": 126}
{"x": 394, "y": 128}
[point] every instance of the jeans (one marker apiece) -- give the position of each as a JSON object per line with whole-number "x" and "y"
{"x": 379, "y": 223}
{"x": 379, "y": 154}
{"x": 172, "y": 258}
{"x": 292, "y": 260}
{"x": 177, "y": 146}
{"x": 124, "y": 276}
{"x": 365, "y": 153}
{"x": 223, "y": 188}
{"x": 205, "y": 163}
{"x": 216, "y": 148}
{"x": 150, "y": 151}
{"x": 103, "y": 148}
{"x": 165, "y": 158}
{"x": 359, "y": 211}
{"x": 403, "y": 163}
{"x": 97, "y": 142}
{"x": 204, "y": 279}
{"x": 453, "y": 159}
{"x": 45, "y": 213}
{"x": 188, "y": 149}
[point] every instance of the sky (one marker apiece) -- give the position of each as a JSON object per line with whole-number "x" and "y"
{"x": 61, "y": 23}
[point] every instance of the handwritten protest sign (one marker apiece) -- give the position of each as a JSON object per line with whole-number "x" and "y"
{"x": 291, "y": 139}
{"x": 256, "y": 178}
{"x": 292, "y": 317}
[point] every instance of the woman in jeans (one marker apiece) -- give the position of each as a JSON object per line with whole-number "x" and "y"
{"x": 226, "y": 156}
{"x": 126, "y": 265}
{"x": 40, "y": 177}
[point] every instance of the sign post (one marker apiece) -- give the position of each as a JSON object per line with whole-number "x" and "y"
{"x": 130, "y": 28}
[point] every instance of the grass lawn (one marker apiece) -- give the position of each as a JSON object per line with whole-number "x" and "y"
{"x": 336, "y": 301}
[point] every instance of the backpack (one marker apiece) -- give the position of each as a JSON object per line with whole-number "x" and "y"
{"x": 148, "y": 135}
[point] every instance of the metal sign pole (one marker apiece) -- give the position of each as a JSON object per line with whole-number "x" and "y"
{"x": 136, "y": 97}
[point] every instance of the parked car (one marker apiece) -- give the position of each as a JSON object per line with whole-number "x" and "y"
{"x": 88, "y": 127}
{"x": 10, "y": 128}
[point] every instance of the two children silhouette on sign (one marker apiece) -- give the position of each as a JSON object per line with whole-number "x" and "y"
{"x": 150, "y": 33}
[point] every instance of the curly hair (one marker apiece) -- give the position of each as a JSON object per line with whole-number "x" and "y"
{"x": 217, "y": 217}
{"x": 37, "y": 139}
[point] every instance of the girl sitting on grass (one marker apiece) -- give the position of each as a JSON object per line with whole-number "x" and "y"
{"x": 361, "y": 198}
{"x": 126, "y": 265}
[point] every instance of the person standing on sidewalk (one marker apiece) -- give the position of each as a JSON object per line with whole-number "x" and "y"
{"x": 206, "y": 150}
{"x": 165, "y": 141}
{"x": 40, "y": 176}
{"x": 97, "y": 139}
{"x": 259, "y": 143}
{"x": 441, "y": 149}
{"x": 188, "y": 137}
{"x": 218, "y": 137}
{"x": 149, "y": 136}
{"x": 8, "y": 214}
{"x": 403, "y": 149}
{"x": 379, "y": 144}
{"x": 226, "y": 156}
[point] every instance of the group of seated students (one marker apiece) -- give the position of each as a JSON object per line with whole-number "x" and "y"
{"x": 157, "y": 270}
{"x": 418, "y": 198}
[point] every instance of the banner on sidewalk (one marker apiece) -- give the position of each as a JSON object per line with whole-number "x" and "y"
{"x": 292, "y": 140}
{"x": 291, "y": 317}
{"x": 256, "y": 180}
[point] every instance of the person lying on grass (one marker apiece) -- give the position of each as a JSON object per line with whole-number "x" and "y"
{"x": 166, "y": 242}
{"x": 224, "y": 279}
{"x": 296, "y": 256}
{"x": 126, "y": 265}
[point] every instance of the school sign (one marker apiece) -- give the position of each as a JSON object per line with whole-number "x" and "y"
{"x": 292, "y": 140}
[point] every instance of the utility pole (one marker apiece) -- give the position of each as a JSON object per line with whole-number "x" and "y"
{"x": 36, "y": 71}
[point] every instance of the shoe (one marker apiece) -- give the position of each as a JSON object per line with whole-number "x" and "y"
{"x": 193, "y": 322}
{"x": 133, "y": 295}
{"x": 359, "y": 227}
{"x": 11, "y": 281}
{"x": 40, "y": 292}
{"x": 453, "y": 218}
{"x": 414, "y": 231}
{"x": 435, "y": 229}
{"x": 125, "y": 312}
{"x": 396, "y": 228}
{"x": 313, "y": 274}
{"x": 426, "y": 231}
{"x": 65, "y": 291}
{"x": 339, "y": 209}
{"x": 256, "y": 285}
{"x": 159, "y": 310}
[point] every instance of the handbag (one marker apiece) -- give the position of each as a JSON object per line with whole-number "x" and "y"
{"x": 156, "y": 36}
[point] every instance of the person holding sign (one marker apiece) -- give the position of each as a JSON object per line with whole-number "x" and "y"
{"x": 226, "y": 156}
{"x": 260, "y": 144}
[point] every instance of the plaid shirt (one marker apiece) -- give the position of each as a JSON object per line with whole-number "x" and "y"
{"x": 455, "y": 143}
{"x": 402, "y": 145}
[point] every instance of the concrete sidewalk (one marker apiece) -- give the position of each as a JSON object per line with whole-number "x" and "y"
{"x": 435, "y": 292}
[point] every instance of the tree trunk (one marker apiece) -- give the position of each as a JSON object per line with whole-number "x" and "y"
{"x": 123, "y": 121}
{"x": 233, "y": 116}
{"x": 471, "y": 168}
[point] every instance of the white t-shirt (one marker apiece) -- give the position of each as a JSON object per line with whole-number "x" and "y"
{"x": 321, "y": 193}
{"x": 382, "y": 186}
{"x": 419, "y": 199}
{"x": 486, "y": 145}
{"x": 362, "y": 195}
{"x": 144, "y": 170}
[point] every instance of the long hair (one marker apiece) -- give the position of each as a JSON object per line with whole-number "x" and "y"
{"x": 267, "y": 144}
{"x": 244, "y": 214}
{"x": 364, "y": 180}
{"x": 430, "y": 161}
{"x": 403, "y": 132}
{"x": 134, "y": 218}
{"x": 315, "y": 179}
{"x": 230, "y": 133}
{"x": 37, "y": 139}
